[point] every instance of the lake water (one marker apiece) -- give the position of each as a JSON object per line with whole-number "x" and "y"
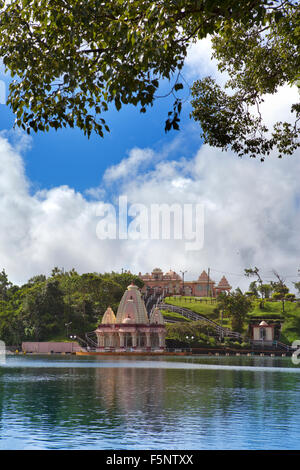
{"x": 72, "y": 402}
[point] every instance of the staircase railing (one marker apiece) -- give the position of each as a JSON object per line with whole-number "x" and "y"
{"x": 197, "y": 317}
{"x": 90, "y": 339}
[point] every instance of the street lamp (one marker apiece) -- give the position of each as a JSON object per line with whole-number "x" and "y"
{"x": 67, "y": 326}
{"x": 189, "y": 339}
{"x": 183, "y": 273}
{"x": 221, "y": 334}
{"x": 72, "y": 337}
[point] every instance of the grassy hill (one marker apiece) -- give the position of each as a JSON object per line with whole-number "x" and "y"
{"x": 271, "y": 310}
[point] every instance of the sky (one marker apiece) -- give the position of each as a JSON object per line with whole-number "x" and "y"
{"x": 60, "y": 195}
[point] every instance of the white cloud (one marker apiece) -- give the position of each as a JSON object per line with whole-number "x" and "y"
{"x": 278, "y": 107}
{"x": 252, "y": 213}
{"x": 96, "y": 193}
{"x": 199, "y": 62}
{"x": 252, "y": 216}
{"x": 129, "y": 167}
{"x": 252, "y": 209}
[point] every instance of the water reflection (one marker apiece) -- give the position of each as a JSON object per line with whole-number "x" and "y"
{"x": 130, "y": 389}
{"x": 54, "y": 403}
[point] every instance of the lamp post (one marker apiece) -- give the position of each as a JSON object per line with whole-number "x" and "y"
{"x": 183, "y": 273}
{"x": 221, "y": 334}
{"x": 72, "y": 337}
{"x": 67, "y": 326}
{"x": 189, "y": 340}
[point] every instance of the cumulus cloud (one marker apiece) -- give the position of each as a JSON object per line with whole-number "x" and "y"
{"x": 278, "y": 107}
{"x": 129, "y": 167}
{"x": 251, "y": 210}
{"x": 251, "y": 218}
{"x": 49, "y": 228}
{"x": 199, "y": 62}
{"x": 251, "y": 213}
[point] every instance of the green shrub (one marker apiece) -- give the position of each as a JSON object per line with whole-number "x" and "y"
{"x": 212, "y": 342}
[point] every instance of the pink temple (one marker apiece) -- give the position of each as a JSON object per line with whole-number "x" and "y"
{"x": 131, "y": 329}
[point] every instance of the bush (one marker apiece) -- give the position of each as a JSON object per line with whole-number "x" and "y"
{"x": 290, "y": 297}
{"x": 233, "y": 344}
{"x": 212, "y": 342}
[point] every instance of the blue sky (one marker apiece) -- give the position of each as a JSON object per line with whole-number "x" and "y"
{"x": 53, "y": 185}
{"x": 85, "y": 160}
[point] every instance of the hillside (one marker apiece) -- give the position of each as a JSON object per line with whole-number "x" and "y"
{"x": 271, "y": 310}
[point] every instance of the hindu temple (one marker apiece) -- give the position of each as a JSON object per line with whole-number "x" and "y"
{"x": 131, "y": 328}
{"x": 171, "y": 283}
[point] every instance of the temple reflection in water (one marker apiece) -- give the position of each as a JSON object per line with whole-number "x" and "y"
{"x": 131, "y": 389}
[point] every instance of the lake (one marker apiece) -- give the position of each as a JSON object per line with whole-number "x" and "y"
{"x": 190, "y": 402}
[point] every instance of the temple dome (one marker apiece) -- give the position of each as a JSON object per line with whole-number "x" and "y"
{"x": 132, "y": 305}
{"x": 132, "y": 286}
{"x": 109, "y": 316}
{"x": 172, "y": 275}
{"x": 157, "y": 317}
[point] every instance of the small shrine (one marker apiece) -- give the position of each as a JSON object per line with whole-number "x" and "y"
{"x": 263, "y": 331}
{"x": 131, "y": 329}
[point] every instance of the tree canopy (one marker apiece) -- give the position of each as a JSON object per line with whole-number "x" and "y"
{"x": 258, "y": 60}
{"x": 41, "y": 309}
{"x": 236, "y": 305}
{"x": 72, "y": 60}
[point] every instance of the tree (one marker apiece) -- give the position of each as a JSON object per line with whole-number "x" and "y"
{"x": 125, "y": 279}
{"x": 42, "y": 312}
{"x": 73, "y": 60}
{"x": 5, "y": 284}
{"x": 36, "y": 279}
{"x": 280, "y": 289}
{"x": 297, "y": 285}
{"x": 204, "y": 335}
{"x": 258, "y": 59}
{"x": 41, "y": 308}
{"x": 255, "y": 272}
{"x": 56, "y": 271}
{"x": 253, "y": 288}
{"x": 289, "y": 296}
{"x": 265, "y": 290}
{"x": 236, "y": 305}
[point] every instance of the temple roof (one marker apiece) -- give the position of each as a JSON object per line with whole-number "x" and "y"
{"x": 132, "y": 305}
{"x": 157, "y": 317}
{"x": 172, "y": 275}
{"x": 204, "y": 277}
{"x": 224, "y": 283}
{"x": 109, "y": 317}
{"x": 130, "y": 311}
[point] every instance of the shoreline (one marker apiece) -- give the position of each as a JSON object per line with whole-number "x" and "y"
{"x": 192, "y": 352}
